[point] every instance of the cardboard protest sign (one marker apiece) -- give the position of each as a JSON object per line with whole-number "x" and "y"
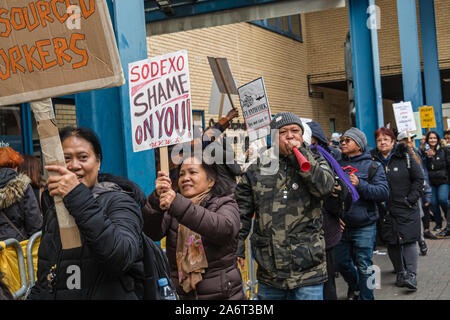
{"x": 404, "y": 116}
{"x": 427, "y": 119}
{"x": 160, "y": 101}
{"x": 224, "y": 79}
{"x": 418, "y": 132}
{"x": 255, "y": 108}
{"x": 53, "y": 48}
{"x": 218, "y": 99}
{"x": 52, "y": 153}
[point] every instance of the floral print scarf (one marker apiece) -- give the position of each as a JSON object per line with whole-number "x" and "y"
{"x": 190, "y": 254}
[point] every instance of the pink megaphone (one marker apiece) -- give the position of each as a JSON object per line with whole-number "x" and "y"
{"x": 304, "y": 164}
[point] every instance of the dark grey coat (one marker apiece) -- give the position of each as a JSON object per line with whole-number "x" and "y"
{"x": 18, "y": 203}
{"x": 217, "y": 221}
{"x": 406, "y": 185}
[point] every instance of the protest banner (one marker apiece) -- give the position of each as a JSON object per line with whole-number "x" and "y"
{"x": 160, "y": 103}
{"x": 418, "y": 132}
{"x": 404, "y": 117}
{"x": 427, "y": 119}
{"x": 52, "y": 153}
{"x": 217, "y": 100}
{"x": 255, "y": 108}
{"x": 224, "y": 80}
{"x": 54, "y": 48}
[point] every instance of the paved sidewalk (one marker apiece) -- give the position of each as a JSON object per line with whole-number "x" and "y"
{"x": 433, "y": 275}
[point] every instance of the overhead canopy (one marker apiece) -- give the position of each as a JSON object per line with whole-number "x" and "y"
{"x": 167, "y": 16}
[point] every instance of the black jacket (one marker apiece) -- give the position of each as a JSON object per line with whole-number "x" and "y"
{"x": 438, "y": 166}
{"x": 110, "y": 225}
{"x": 18, "y": 203}
{"x": 371, "y": 190}
{"x": 406, "y": 185}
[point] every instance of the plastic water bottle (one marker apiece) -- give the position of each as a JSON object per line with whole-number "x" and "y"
{"x": 165, "y": 291}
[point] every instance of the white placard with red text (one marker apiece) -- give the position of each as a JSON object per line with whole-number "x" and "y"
{"x": 160, "y": 101}
{"x": 404, "y": 116}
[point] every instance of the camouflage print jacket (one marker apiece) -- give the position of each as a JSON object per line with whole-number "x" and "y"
{"x": 287, "y": 240}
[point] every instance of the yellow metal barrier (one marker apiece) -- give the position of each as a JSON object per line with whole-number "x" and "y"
{"x": 14, "y": 261}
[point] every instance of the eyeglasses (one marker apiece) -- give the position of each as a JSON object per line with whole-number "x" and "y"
{"x": 346, "y": 140}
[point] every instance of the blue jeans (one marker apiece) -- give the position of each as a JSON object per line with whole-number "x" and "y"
{"x": 266, "y": 292}
{"x": 439, "y": 201}
{"x": 353, "y": 256}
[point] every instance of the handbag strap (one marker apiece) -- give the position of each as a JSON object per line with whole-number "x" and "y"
{"x": 12, "y": 225}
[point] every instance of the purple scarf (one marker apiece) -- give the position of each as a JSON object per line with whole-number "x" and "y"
{"x": 337, "y": 168}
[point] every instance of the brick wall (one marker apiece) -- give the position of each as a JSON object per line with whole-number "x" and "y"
{"x": 65, "y": 115}
{"x": 326, "y": 32}
{"x": 285, "y": 63}
{"x": 252, "y": 52}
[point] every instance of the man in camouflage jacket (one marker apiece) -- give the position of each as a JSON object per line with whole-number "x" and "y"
{"x": 287, "y": 240}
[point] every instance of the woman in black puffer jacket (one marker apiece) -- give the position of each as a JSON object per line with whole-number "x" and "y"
{"x": 400, "y": 225}
{"x": 20, "y": 216}
{"x": 437, "y": 162}
{"x": 110, "y": 225}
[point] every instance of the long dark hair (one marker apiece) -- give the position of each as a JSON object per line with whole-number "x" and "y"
{"x": 85, "y": 133}
{"x": 221, "y": 186}
{"x": 32, "y": 167}
{"x": 427, "y": 137}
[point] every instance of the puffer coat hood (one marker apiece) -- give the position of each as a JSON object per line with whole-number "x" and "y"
{"x": 19, "y": 205}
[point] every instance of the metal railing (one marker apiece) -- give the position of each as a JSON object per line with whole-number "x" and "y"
{"x": 21, "y": 263}
{"x": 25, "y": 284}
{"x": 30, "y": 263}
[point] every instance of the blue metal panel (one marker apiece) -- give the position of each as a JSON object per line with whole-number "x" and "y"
{"x": 183, "y": 9}
{"x": 374, "y": 15}
{"x": 409, "y": 49}
{"x": 362, "y": 64}
{"x": 27, "y": 130}
{"x": 432, "y": 77}
{"x": 100, "y": 111}
{"x": 108, "y": 111}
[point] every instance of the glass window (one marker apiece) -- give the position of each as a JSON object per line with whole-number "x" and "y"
{"x": 198, "y": 119}
{"x": 332, "y": 125}
{"x": 10, "y": 128}
{"x": 284, "y": 24}
{"x": 289, "y": 26}
{"x": 296, "y": 25}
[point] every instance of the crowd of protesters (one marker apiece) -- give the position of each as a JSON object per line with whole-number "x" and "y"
{"x": 305, "y": 225}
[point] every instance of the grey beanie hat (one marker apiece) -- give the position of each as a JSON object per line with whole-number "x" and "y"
{"x": 285, "y": 118}
{"x": 358, "y": 136}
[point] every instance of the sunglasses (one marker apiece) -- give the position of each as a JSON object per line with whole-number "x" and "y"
{"x": 346, "y": 140}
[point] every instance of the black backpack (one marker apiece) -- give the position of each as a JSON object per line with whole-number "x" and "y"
{"x": 156, "y": 267}
{"x": 155, "y": 261}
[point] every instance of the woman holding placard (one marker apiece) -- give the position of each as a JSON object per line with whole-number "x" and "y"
{"x": 110, "y": 224}
{"x": 437, "y": 161}
{"x": 201, "y": 223}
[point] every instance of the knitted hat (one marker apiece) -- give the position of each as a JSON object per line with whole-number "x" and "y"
{"x": 358, "y": 136}
{"x": 285, "y": 118}
{"x": 404, "y": 135}
{"x": 9, "y": 158}
{"x": 335, "y": 137}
